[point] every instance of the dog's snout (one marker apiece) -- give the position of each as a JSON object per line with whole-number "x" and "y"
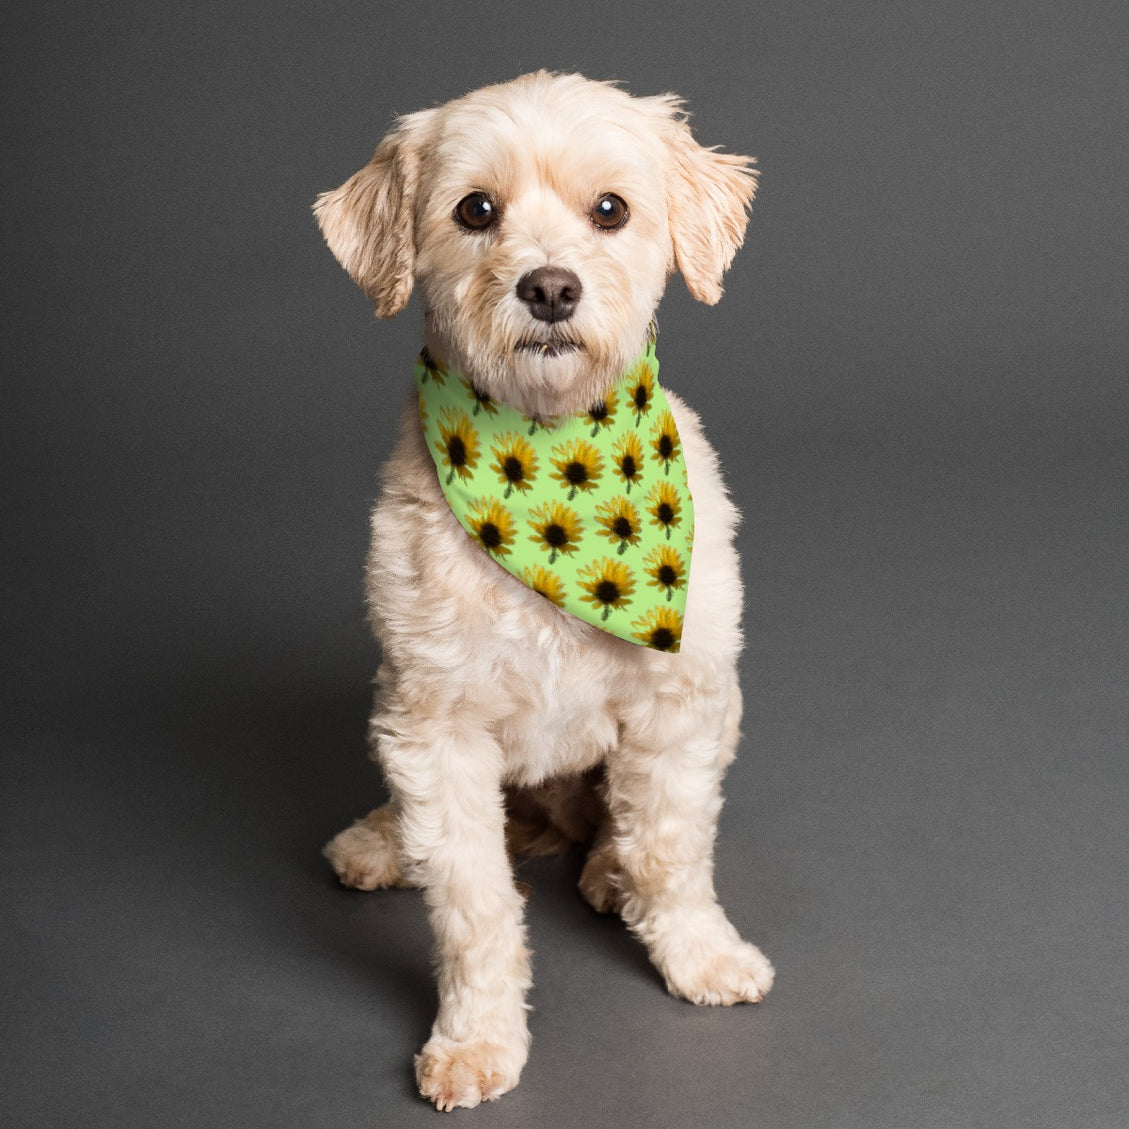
{"x": 551, "y": 293}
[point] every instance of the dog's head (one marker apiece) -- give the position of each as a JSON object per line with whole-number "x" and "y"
{"x": 541, "y": 219}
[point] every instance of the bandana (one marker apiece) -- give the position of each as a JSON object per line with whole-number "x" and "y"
{"x": 591, "y": 510}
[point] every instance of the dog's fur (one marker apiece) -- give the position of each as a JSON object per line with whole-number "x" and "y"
{"x": 491, "y": 702}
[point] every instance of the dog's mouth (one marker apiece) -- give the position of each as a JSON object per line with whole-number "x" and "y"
{"x": 554, "y": 347}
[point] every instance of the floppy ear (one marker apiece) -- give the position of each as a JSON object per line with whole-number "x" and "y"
{"x": 368, "y": 222}
{"x": 709, "y": 198}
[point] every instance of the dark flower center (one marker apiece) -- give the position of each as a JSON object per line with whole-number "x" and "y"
{"x": 555, "y": 535}
{"x": 456, "y": 450}
{"x": 481, "y": 397}
{"x": 640, "y": 396}
{"x": 662, "y": 639}
{"x": 627, "y": 465}
{"x": 576, "y": 473}
{"x": 607, "y": 591}
{"x": 490, "y": 534}
{"x": 666, "y": 446}
{"x": 666, "y": 575}
{"x": 665, "y": 513}
{"x": 622, "y": 527}
{"x": 600, "y": 412}
{"x": 513, "y": 469}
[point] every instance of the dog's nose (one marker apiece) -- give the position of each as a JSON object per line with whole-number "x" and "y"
{"x": 551, "y": 293}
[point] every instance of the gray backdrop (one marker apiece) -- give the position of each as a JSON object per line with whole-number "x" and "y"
{"x": 917, "y": 385}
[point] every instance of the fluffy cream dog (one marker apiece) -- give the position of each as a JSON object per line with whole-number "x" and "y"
{"x": 492, "y": 702}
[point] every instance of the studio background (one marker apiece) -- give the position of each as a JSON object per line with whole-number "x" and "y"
{"x": 916, "y": 382}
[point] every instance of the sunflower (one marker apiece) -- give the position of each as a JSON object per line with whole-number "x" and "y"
{"x": 540, "y": 423}
{"x": 482, "y": 402}
{"x": 607, "y": 584}
{"x": 628, "y": 455}
{"x": 666, "y": 569}
{"x": 664, "y": 441}
{"x": 515, "y": 462}
{"x": 458, "y": 443}
{"x": 434, "y": 370}
{"x": 660, "y": 628}
{"x": 665, "y": 507}
{"x": 578, "y": 464}
{"x": 641, "y": 391}
{"x": 603, "y": 413}
{"x": 555, "y": 527}
{"x": 544, "y": 581}
{"x": 620, "y": 522}
{"x": 492, "y": 525}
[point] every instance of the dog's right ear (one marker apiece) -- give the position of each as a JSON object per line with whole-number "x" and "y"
{"x": 368, "y": 222}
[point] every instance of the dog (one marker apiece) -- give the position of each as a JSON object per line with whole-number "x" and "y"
{"x": 540, "y": 220}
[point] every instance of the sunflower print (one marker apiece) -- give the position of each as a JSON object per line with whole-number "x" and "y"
{"x": 482, "y": 402}
{"x": 544, "y": 581}
{"x": 641, "y": 391}
{"x": 603, "y": 414}
{"x": 628, "y": 456}
{"x": 433, "y": 370}
{"x": 607, "y": 585}
{"x": 579, "y": 466}
{"x": 515, "y": 462}
{"x": 665, "y": 507}
{"x": 539, "y": 423}
{"x": 666, "y": 569}
{"x": 592, "y": 509}
{"x": 493, "y": 525}
{"x": 458, "y": 444}
{"x": 664, "y": 441}
{"x": 619, "y": 523}
{"x": 660, "y": 628}
{"x": 557, "y": 528}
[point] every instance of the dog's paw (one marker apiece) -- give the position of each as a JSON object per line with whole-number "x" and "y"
{"x": 461, "y": 1075}
{"x": 733, "y": 972}
{"x": 599, "y": 882}
{"x": 366, "y": 856}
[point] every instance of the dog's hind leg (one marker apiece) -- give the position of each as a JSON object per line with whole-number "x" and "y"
{"x": 366, "y": 856}
{"x": 664, "y": 794}
{"x": 601, "y": 884}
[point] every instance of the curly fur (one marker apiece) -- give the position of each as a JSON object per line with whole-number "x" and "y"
{"x": 491, "y": 702}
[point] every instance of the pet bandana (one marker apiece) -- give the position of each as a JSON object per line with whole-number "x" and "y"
{"x": 591, "y": 510}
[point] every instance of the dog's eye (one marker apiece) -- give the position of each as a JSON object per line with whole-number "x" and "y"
{"x": 609, "y": 212}
{"x": 476, "y": 212}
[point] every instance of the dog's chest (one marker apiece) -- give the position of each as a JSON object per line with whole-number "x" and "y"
{"x": 561, "y": 718}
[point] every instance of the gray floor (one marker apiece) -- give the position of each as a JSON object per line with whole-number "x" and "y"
{"x": 926, "y": 830}
{"x": 917, "y": 384}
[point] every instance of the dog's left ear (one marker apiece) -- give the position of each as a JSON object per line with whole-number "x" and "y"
{"x": 369, "y": 224}
{"x": 709, "y": 198}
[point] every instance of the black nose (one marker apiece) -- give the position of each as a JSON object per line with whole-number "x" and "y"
{"x": 551, "y": 293}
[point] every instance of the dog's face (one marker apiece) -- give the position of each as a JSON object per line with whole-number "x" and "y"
{"x": 541, "y": 219}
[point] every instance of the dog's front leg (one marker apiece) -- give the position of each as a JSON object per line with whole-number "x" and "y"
{"x": 446, "y": 776}
{"x": 664, "y": 795}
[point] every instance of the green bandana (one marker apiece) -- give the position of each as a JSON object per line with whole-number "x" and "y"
{"x": 592, "y": 511}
